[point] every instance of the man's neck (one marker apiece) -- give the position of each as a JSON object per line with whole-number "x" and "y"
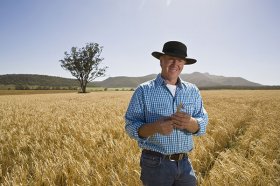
{"x": 170, "y": 81}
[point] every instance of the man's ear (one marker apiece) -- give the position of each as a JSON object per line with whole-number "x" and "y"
{"x": 161, "y": 60}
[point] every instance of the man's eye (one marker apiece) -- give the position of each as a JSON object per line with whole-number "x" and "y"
{"x": 182, "y": 61}
{"x": 170, "y": 59}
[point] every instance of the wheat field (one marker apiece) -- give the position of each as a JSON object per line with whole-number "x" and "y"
{"x": 79, "y": 139}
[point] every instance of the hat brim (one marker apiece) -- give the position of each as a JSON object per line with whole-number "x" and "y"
{"x": 189, "y": 61}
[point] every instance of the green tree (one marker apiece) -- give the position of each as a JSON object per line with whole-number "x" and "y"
{"x": 83, "y": 63}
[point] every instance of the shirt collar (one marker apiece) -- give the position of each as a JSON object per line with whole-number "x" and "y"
{"x": 160, "y": 81}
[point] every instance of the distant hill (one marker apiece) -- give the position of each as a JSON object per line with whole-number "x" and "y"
{"x": 124, "y": 81}
{"x": 197, "y": 78}
{"x": 200, "y": 79}
{"x": 36, "y": 80}
{"x": 207, "y": 80}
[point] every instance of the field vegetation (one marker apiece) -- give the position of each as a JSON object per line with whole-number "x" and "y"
{"x": 79, "y": 139}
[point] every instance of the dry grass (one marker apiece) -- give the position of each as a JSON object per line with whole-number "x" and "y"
{"x": 79, "y": 139}
{"x": 26, "y": 92}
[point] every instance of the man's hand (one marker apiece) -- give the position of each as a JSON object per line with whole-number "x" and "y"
{"x": 165, "y": 126}
{"x": 184, "y": 121}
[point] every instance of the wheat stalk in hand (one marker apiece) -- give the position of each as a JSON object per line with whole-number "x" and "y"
{"x": 179, "y": 107}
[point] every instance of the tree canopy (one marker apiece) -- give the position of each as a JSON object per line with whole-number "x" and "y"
{"x": 84, "y": 63}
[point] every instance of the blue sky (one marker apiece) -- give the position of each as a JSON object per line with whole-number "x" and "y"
{"x": 238, "y": 38}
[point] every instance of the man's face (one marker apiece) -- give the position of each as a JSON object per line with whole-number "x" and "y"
{"x": 171, "y": 67}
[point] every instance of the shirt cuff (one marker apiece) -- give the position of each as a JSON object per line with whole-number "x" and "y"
{"x": 201, "y": 127}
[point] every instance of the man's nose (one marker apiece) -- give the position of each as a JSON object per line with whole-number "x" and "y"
{"x": 174, "y": 61}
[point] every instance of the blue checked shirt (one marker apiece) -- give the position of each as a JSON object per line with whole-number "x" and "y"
{"x": 153, "y": 100}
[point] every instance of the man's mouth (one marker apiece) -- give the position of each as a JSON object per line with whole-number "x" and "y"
{"x": 173, "y": 69}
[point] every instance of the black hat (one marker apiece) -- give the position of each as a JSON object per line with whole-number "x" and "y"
{"x": 175, "y": 49}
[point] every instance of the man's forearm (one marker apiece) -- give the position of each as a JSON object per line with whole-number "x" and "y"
{"x": 194, "y": 127}
{"x": 147, "y": 130}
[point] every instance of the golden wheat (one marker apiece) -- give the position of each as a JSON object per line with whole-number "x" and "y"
{"x": 79, "y": 139}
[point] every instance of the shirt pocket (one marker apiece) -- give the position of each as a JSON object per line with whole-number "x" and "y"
{"x": 161, "y": 108}
{"x": 156, "y": 111}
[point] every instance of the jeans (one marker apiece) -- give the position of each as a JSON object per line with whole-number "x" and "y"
{"x": 157, "y": 171}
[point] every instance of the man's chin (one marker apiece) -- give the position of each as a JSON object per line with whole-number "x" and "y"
{"x": 174, "y": 74}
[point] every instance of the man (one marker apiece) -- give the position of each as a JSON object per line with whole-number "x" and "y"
{"x": 163, "y": 115}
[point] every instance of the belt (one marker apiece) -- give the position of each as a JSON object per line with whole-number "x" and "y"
{"x": 171, "y": 157}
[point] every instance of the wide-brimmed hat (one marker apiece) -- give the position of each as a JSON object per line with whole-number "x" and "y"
{"x": 175, "y": 49}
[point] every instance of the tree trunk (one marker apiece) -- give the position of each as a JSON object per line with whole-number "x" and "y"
{"x": 84, "y": 88}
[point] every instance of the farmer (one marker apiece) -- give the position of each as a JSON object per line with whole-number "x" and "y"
{"x": 163, "y": 116}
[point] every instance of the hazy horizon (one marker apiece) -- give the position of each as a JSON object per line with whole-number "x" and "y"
{"x": 104, "y": 78}
{"x": 231, "y": 38}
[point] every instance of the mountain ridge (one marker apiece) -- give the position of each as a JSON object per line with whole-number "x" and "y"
{"x": 197, "y": 78}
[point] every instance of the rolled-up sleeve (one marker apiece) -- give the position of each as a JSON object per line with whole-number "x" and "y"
{"x": 135, "y": 116}
{"x": 200, "y": 115}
